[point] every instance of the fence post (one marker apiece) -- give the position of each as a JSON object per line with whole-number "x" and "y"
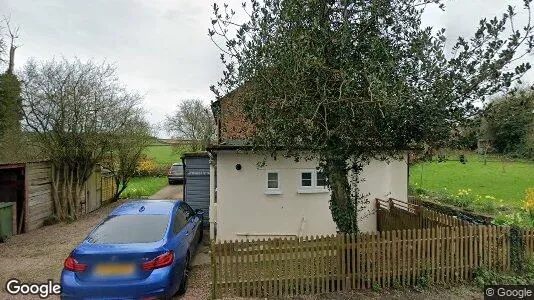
{"x": 378, "y": 215}
{"x": 213, "y": 272}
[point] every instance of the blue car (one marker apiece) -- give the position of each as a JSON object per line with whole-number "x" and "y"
{"x": 142, "y": 250}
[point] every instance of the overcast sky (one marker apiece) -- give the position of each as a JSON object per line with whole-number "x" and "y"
{"x": 161, "y": 47}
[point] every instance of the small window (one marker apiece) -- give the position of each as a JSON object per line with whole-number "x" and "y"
{"x": 272, "y": 183}
{"x": 312, "y": 181}
{"x": 321, "y": 179}
{"x": 306, "y": 178}
{"x": 272, "y": 180}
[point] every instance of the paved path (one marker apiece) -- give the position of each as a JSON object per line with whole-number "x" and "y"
{"x": 169, "y": 192}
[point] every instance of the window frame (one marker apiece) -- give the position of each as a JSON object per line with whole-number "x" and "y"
{"x": 302, "y": 172}
{"x": 316, "y": 180}
{"x": 272, "y": 191}
{"x": 314, "y": 188}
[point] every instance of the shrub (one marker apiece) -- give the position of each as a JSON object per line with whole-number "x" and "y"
{"x": 51, "y": 220}
{"x": 135, "y": 193}
{"x": 486, "y": 276}
{"x": 147, "y": 167}
{"x": 376, "y": 287}
{"x": 522, "y": 218}
{"x": 519, "y": 218}
{"x": 463, "y": 198}
{"x": 488, "y": 207}
{"x": 529, "y": 202}
{"x": 423, "y": 280}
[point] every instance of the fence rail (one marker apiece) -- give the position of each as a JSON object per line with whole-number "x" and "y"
{"x": 394, "y": 214}
{"x": 310, "y": 265}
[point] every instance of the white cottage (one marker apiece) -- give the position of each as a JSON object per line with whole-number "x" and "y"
{"x": 284, "y": 198}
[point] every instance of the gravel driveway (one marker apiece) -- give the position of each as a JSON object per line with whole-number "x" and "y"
{"x": 169, "y": 192}
{"x": 37, "y": 256}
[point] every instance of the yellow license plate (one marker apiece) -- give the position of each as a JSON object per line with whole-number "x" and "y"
{"x": 114, "y": 269}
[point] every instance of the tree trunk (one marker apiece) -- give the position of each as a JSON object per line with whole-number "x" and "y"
{"x": 67, "y": 188}
{"x": 118, "y": 191}
{"x": 11, "y": 64}
{"x": 123, "y": 187}
{"x": 77, "y": 186}
{"x": 116, "y": 194}
{"x": 72, "y": 208}
{"x": 64, "y": 192}
{"x": 58, "y": 208}
{"x": 78, "y": 190}
{"x": 342, "y": 204}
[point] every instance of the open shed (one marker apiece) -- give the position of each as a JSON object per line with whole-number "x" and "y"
{"x": 29, "y": 186}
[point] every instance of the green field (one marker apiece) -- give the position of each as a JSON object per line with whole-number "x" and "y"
{"x": 165, "y": 154}
{"x": 142, "y": 187}
{"x": 503, "y": 180}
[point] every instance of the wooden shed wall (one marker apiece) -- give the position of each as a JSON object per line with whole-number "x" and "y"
{"x": 39, "y": 194}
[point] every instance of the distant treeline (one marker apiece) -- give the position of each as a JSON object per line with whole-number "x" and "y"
{"x": 505, "y": 126}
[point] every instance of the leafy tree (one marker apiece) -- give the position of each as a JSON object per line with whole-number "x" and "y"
{"x": 355, "y": 80}
{"x": 125, "y": 151}
{"x": 510, "y": 123}
{"x": 10, "y": 101}
{"x": 75, "y": 110}
{"x": 192, "y": 121}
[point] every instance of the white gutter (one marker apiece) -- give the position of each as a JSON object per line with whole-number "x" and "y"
{"x": 213, "y": 204}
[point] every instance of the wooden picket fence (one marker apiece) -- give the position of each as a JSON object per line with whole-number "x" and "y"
{"x": 528, "y": 235}
{"x": 393, "y": 214}
{"x": 321, "y": 264}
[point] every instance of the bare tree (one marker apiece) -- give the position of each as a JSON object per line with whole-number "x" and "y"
{"x": 192, "y": 121}
{"x": 3, "y": 46}
{"x": 75, "y": 110}
{"x": 13, "y": 35}
{"x": 125, "y": 152}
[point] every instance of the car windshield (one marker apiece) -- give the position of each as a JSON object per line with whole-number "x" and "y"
{"x": 125, "y": 229}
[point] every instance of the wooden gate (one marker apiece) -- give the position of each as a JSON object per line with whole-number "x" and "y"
{"x": 93, "y": 191}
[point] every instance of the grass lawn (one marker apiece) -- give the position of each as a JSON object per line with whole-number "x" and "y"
{"x": 165, "y": 154}
{"x": 140, "y": 187}
{"x": 502, "y": 180}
